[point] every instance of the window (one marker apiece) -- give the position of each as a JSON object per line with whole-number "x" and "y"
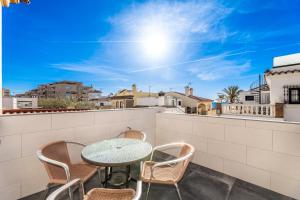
{"x": 249, "y": 98}
{"x": 294, "y": 94}
{"x": 179, "y": 103}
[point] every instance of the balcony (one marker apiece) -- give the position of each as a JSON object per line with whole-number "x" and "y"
{"x": 249, "y": 110}
{"x": 235, "y": 158}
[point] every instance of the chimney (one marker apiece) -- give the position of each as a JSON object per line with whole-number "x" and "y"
{"x": 191, "y": 91}
{"x": 134, "y": 88}
{"x": 186, "y": 90}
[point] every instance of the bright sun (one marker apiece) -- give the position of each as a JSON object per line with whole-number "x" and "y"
{"x": 155, "y": 42}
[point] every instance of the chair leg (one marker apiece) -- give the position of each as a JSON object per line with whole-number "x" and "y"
{"x": 70, "y": 194}
{"x": 178, "y": 192}
{"x": 46, "y": 192}
{"x": 148, "y": 190}
{"x": 99, "y": 175}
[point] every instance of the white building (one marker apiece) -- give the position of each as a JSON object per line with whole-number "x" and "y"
{"x": 101, "y": 101}
{"x": 252, "y": 97}
{"x": 284, "y": 82}
{"x": 150, "y": 101}
{"x": 19, "y": 103}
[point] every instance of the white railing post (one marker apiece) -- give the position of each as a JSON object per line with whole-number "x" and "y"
{"x": 249, "y": 110}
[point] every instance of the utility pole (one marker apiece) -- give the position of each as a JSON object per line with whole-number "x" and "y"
{"x": 149, "y": 90}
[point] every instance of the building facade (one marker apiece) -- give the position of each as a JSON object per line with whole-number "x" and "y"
{"x": 188, "y": 102}
{"x": 129, "y": 98}
{"x": 284, "y": 82}
{"x": 6, "y": 92}
{"x": 63, "y": 90}
{"x": 19, "y": 103}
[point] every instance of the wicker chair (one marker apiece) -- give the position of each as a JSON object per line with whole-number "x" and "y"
{"x": 56, "y": 159}
{"x": 98, "y": 193}
{"x": 133, "y": 134}
{"x": 167, "y": 172}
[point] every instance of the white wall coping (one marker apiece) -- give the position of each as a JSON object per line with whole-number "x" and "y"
{"x": 239, "y": 117}
{"x": 79, "y": 111}
{"x": 276, "y": 120}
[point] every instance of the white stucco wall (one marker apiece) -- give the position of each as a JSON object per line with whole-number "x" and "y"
{"x": 147, "y": 101}
{"x": 292, "y": 112}
{"x": 22, "y": 174}
{"x": 13, "y": 102}
{"x": 276, "y": 83}
{"x": 243, "y": 95}
{"x": 262, "y": 152}
{"x": 286, "y": 60}
{"x": 7, "y": 103}
{"x": 266, "y": 153}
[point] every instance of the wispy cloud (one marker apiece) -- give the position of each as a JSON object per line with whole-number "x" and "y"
{"x": 187, "y": 26}
{"x": 209, "y": 58}
{"x": 97, "y": 70}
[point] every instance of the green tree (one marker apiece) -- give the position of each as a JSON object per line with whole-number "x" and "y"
{"x": 84, "y": 105}
{"x": 52, "y": 103}
{"x": 231, "y": 93}
{"x": 64, "y": 104}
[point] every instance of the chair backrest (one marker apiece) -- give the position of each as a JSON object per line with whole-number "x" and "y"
{"x": 134, "y": 134}
{"x": 56, "y": 151}
{"x": 187, "y": 151}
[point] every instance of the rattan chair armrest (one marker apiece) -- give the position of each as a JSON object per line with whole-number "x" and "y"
{"x": 138, "y": 191}
{"x": 55, "y": 162}
{"x": 56, "y": 193}
{"x": 164, "y": 147}
{"x": 173, "y": 161}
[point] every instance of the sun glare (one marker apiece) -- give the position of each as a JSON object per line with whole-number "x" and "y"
{"x": 155, "y": 43}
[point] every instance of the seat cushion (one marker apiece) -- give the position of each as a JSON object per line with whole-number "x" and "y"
{"x": 162, "y": 175}
{"x": 109, "y": 194}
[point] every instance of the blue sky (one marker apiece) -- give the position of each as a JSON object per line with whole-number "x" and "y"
{"x": 164, "y": 44}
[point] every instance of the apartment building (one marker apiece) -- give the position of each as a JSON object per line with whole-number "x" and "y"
{"x": 5, "y": 92}
{"x": 63, "y": 90}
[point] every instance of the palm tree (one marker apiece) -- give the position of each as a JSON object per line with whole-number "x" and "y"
{"x": 231, "y": 93}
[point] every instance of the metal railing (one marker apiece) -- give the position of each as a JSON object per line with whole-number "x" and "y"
{"x": 249, "y": 110}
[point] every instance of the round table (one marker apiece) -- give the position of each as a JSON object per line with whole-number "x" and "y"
{"x": 116, "y": 152}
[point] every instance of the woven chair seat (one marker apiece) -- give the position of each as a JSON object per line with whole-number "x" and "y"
{"x": 162, "y": 175}
{"x": 109, "y": 194}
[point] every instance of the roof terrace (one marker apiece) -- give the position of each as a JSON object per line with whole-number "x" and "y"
{"x": 235, "y": 158}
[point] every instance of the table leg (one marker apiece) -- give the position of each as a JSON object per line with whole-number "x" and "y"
{"x": 127, "y": 175}
{"x": 106, "y": 177}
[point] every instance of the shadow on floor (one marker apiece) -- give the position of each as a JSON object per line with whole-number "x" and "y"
{"x": 198, "y": 183}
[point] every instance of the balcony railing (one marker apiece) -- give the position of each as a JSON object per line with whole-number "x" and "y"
{"x": 249, "y": 110}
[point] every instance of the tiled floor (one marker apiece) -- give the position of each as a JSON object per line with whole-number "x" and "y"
{"x": 200, "y": 183}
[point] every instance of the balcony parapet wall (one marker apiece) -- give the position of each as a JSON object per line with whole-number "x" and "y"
{"x": 264, "y": 151}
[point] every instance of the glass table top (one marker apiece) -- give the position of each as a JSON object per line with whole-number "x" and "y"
{"x": 116, "y": 152}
